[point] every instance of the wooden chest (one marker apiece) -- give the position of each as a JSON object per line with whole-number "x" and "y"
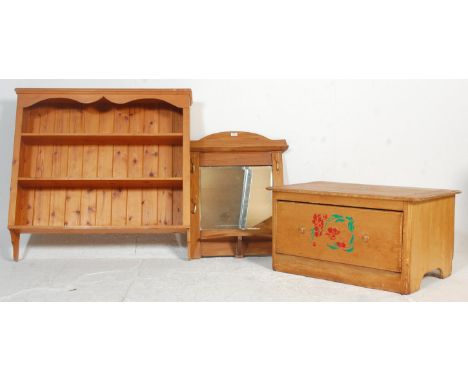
{"x": 374, "y": 236}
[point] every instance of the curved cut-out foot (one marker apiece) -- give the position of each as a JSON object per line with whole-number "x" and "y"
{"x": 15, "y": 241}
{"x": 440, "y": 273}
{"x": 434, "y": 273}
{"x": 444, "y": 273}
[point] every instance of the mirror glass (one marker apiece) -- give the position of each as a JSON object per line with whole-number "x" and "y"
{"x": 235, "y": 197}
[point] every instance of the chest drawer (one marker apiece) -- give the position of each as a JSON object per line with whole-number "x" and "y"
{"x": 347, "y": 235}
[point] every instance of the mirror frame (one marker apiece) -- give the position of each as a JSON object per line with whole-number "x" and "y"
{"x": 231, "y": 148}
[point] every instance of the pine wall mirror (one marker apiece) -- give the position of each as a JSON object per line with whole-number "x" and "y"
{"x": 231, "y": 207}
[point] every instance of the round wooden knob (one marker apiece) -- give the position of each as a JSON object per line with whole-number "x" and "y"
{"x": 365, "y": 238}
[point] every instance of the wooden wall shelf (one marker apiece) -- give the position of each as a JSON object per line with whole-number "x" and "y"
{"x": 100, "y": 161}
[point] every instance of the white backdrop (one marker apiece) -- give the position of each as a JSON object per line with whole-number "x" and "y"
{"x": 390, "y": 132}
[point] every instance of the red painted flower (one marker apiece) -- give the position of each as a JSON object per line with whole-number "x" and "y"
{"x": 332, "y": 233}
{"x": 341, "y": 245}
{"x": 318, "y": 220}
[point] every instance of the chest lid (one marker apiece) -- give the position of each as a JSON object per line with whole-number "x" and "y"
{"x": 411, "y": 194}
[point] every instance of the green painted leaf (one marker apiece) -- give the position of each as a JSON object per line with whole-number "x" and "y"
{"x": 349, "y": 250}
{"x": 339, "y": 220}
{"x": 337, "y": 216}
{"x": 351, "y": 226}
{"x": 332, "y": 246}
{"x": 351, "y": 241}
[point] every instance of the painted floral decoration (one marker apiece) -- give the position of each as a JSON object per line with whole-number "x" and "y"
{"x": 332, "y": 232}
{"x": 322, "y": 223}
{"x": 318, "y": 221}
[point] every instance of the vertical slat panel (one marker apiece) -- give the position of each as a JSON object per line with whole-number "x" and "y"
{"x": 25, "y": 211}
{"x": 105, "y": 159}
{"x": 24, "y": 207}
{"x": 177, "y": 170}
{"x": 90, "y": 155}
{"x": 75, "y": 166}
{"x": 135, "y": 167}
{"x": 150, "y": 168}
{"x": 26, "y": 150}
{"x": 120, "y": 168}
{"x": 59, "y": 169}
{"x": 28, "y": 122}
{"x": 44, "y": 168}
{"x": 165, "y": 169}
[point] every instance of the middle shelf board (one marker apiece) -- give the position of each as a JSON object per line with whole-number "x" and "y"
{"x": 102, "y": 139}
{"x": 100, "y": 183}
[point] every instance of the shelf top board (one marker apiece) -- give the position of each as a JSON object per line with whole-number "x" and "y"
{"x": 185, "y": 91}
{"x": 411, "y": 194}
{"x": 178, "y": 97}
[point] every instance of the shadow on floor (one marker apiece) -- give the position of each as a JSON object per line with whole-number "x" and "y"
{"x": 261, "y": 260}
{"x": 171, "y": 245}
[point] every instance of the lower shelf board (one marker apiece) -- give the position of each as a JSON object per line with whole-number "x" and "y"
{"x": 209, "y": 234}
{"x": 150, "y": 229}
{"x": 230, "y": 248}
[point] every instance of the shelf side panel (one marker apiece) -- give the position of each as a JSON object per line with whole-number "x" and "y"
{"x": 177, "y": 166}
{"x": 165, "y": 169}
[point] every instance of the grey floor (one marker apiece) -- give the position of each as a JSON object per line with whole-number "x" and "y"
{"x": 141, "y": 268}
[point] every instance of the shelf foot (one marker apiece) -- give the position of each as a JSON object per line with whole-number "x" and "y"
{"x": 15, "y": 241}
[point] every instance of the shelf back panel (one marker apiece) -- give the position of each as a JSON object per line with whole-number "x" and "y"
{"x": 100, "y": 207}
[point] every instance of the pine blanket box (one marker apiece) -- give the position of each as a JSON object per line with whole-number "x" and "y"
{"x": 378, "y": 237}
